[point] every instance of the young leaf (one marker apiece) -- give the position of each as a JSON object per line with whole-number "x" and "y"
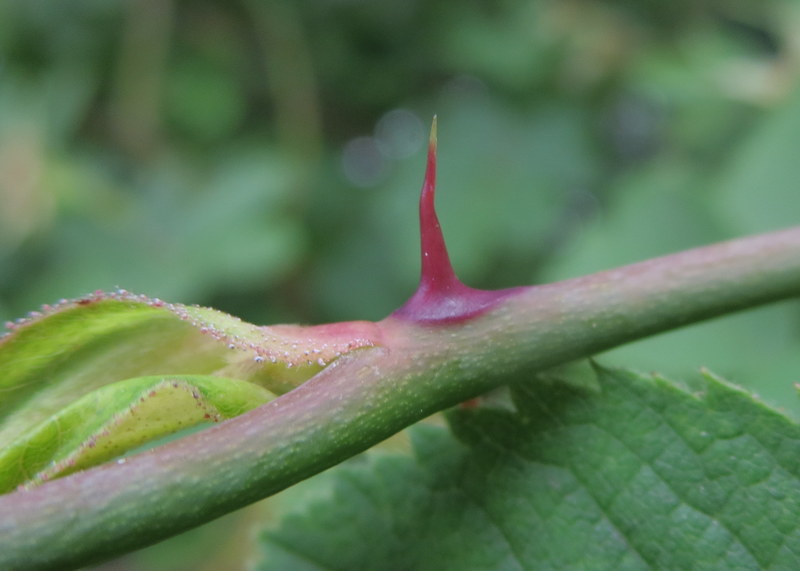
{"x": 67, "y": 404}
{"x": 118, "y": 417}
{"x": 639, "y": 474}
{"x": 55, "y": 357}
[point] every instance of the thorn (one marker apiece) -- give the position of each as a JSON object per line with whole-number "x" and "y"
{"x": 440, "y": 297}
{"x": 437, "y": 270}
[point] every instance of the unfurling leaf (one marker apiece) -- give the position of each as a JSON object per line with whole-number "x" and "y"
{"x": 85, "y": 380}
{"x": 119, "y": 417}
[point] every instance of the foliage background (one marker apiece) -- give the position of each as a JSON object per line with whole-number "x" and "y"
{"x": 263, "y": 157}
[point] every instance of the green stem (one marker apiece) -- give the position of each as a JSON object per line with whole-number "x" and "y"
{"x": 370, "y": 394}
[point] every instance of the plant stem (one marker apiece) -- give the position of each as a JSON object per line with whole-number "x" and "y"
{"x": 372, "y": 393}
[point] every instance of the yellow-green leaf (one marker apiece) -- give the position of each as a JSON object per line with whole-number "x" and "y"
{"x": 119, "y": 417}
{"x": 75, "y": 377}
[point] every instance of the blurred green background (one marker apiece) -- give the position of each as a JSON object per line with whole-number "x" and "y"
{"x": 265, "y": 157}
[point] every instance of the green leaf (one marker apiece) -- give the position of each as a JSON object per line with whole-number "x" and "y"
{"x": 119, "y": 417}
{"x": 636, "y": 474}
{"x": 74, "y": 377}
{"x": 53, "y": 359}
